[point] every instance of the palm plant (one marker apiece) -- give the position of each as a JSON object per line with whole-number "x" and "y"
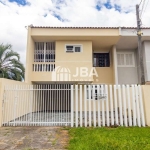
{"x": 10, "y": 65}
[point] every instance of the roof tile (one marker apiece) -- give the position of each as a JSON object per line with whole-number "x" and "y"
{"x": 86, "y": 27}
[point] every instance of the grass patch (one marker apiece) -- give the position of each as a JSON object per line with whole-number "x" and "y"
{"x": 120, "y": 138}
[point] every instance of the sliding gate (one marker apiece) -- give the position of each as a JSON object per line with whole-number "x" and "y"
{"x": 37, "y": 105}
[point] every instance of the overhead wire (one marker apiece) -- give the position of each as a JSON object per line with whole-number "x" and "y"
{"x": 145, "y": 8}
{"x": 142, "y": 8}
{"x": 140, "y": 2}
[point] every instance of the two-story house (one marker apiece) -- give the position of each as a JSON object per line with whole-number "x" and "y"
{"x": 103, "y": 55}
{"x": 66, "y": 68}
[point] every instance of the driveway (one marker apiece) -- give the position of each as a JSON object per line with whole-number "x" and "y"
{"x": 33, "y": 138}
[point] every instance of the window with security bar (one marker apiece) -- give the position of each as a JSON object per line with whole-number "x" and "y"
{"x": 97, "y": 92}
{"x": 73, "y": 48}
{"x": 101, "y": 60}
{"x": 44, "y": 52}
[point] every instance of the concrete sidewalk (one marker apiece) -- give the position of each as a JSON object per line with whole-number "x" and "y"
{"x": 33, "y": 138}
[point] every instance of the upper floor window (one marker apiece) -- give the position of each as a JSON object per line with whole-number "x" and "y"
{"x": 125, "y": 59}
{"x": 101, "y": 60}
{"x": 44, "y": 52}
{"x": 73, "y": 48}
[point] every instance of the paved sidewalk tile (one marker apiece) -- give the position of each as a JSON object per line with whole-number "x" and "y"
{"x": 33, "y": 138}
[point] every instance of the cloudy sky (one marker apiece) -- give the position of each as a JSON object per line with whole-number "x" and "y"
{"x": 16, "y": 14}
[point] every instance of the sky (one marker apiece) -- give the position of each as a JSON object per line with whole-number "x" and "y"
{"x": 15, "y": 15}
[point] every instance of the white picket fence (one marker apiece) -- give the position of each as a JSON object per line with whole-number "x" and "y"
{"x": 73, "y": 105}
{"x": 103, "y": 105}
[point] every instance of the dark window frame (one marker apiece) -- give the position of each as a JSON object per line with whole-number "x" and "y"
{"x": 101, "y": 59}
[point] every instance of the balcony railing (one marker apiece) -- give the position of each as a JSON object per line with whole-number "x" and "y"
{"x": 46, "y": 67}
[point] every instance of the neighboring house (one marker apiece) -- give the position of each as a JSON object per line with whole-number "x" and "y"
{"x": 68, "y": 55}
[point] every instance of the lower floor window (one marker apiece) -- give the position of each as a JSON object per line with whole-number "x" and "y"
{"x": 96, "y": 92}
{"x": 125, "y": 59}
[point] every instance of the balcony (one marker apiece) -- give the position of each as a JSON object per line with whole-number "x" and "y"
{"x": 43, "y": 67}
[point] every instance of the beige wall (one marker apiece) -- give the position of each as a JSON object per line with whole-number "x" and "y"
{"x": 105, "y": 74}
{"x": 73, "y": 32}
{"x": 146, "y": 97}
{"x": 90, "y": 39}
{"x": 74, "y": 61}
{"x": 3, "y": 83}
{"x": 29, "y": 57}
{"x": 70, "y": 61}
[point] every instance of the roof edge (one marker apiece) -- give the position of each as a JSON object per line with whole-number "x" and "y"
{"x": 53, "y": 27}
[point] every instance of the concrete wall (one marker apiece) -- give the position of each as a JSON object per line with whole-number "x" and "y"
{"x": 146, "y": 59}
{"x": 128, "y": 75}
{"x": 3, "y": 83}
{"x": 146, "y": 100}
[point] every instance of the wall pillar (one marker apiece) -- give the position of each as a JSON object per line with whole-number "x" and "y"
{"x": 114, "y": 60}
{"x": 146, "y": 103}
{"x": 29, "y": 52}
{"x": 146, "y": 60}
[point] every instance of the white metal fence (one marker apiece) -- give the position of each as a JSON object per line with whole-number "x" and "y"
{"x": 37, "y": 105}
{"x": 73, "y": 105}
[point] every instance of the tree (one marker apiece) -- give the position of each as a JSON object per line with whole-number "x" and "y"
{"x": 10, "y": 65}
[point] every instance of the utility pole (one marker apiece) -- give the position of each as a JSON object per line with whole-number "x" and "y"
{"x": 140, "y": 52}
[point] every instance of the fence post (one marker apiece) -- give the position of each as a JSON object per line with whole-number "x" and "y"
{"x": 85, "y": 106}
{"x": 98, "y": 107}
{"x": 120, "y": 105}
{"x": 89, "y": 92}
{"x": 107, "y": 105}
{"x": 133, "y": 104}
{"x": 103, "y": 112}
{"x": 111, "y": 105}
{"x": 76, "y": 98}
{"x": 94, "y": 106}
{"x": 124, "y": 105}
{"x": 129, "y": 107}
{"x": 141, "y": 107}
{"x": 81, "y": 105}
{"x": 137, "y": 106}
{"x": 72, "y": 120}
{"x": 115, "y": 104}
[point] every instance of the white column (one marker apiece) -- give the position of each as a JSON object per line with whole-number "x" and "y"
{"x": 114, "y": 53}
